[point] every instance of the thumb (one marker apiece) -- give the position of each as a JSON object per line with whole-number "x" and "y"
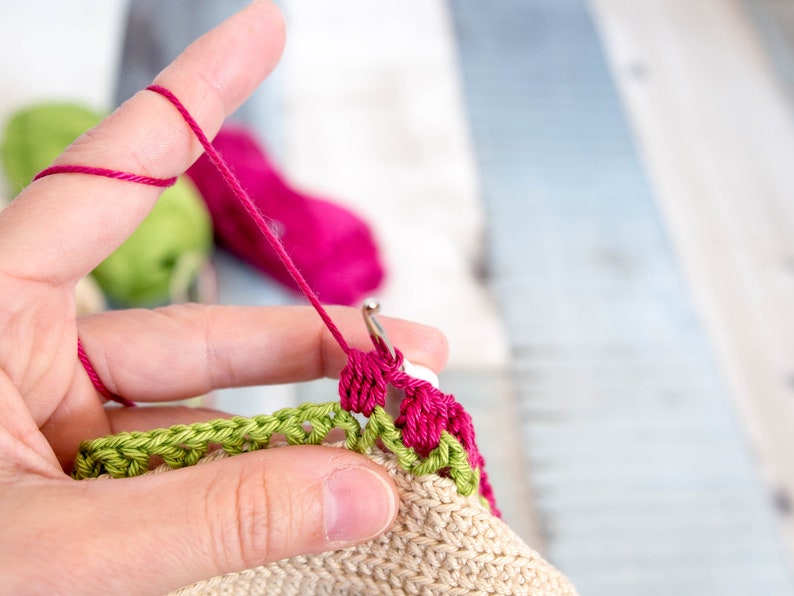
{"x": 169, "y": 530}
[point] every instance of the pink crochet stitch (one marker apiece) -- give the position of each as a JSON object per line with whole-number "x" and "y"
{"x": 425, "y": 411}
{"x": 331, "y": 246}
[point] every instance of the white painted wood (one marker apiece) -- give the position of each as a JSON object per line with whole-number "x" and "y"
{"x": 374, "y": 119}
{"x": 54, "y": 50}
{"x": 717, "y": 138}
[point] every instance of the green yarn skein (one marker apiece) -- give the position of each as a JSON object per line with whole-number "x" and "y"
{"x": 166, "y": 251}
{"x": 35, "y": 136}
{"x": 168, "y": 248}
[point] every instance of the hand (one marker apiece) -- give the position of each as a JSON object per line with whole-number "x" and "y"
{"x": 155, "y": 533}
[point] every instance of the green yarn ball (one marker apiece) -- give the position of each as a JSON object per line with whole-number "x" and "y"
{"x": 164, "y": 254}
{"x": 167, "y": 251}
{"x": 36, "y": 135}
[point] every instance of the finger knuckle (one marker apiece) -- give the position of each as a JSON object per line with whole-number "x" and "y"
{"x": 253, "y": 527}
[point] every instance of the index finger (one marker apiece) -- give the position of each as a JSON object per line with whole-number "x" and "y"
{"x": 63, "y": 225}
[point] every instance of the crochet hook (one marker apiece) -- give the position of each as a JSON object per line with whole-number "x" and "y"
{"x": 369, "y": 309}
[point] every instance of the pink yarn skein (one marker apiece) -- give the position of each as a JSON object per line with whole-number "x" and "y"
{"x": 333, "y": 248}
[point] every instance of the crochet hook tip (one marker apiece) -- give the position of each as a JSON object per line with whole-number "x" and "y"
{"x": 369, "y": 309}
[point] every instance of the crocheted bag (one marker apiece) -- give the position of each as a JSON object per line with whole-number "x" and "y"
{"x": 447, "y": 538}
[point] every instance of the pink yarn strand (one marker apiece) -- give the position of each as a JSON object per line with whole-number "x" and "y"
{"x": 137, "y": 178}
{"x": 254, "y": 212}
{"x": 97, "y": 382}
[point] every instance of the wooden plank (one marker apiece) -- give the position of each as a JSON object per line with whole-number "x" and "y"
{"x": 374, "y": 119}
{"x": 45, "y": 60}
{"x": 775, "y": 21}
{"x": 640, "y": 477}
{"x": 717, "y": 139}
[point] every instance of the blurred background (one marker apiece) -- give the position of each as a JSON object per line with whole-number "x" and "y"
{"x": 592, "y": 199}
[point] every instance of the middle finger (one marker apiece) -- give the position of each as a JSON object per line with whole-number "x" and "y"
{"x": 182, "y": 351}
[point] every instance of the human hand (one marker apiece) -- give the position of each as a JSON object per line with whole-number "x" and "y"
{"x": 155, "y": 533}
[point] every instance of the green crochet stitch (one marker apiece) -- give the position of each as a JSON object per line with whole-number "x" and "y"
{"x": 130, "y": 453}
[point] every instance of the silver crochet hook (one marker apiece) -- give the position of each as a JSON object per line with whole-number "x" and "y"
{"x": 369, "y": 309}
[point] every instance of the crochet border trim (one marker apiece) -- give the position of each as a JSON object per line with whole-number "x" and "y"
{"x": 130, "y": 454}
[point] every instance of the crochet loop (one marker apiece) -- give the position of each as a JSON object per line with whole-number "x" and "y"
{"x": 134, "y": 453}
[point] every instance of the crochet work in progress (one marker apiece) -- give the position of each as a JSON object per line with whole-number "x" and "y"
{"x": 441, "y": 543}
{"x": 447, "y": 538}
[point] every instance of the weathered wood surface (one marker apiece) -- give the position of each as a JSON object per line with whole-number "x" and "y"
{"x": 716, "y": 134}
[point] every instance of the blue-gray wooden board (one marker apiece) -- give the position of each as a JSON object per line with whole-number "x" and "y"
{"x": 638, "y": 467}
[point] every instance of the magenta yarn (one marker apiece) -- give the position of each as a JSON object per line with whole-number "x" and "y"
{"x": 76, "y": 169}
{"x": 425, "y": 411}
{"x": 89, "y": 368}
{"x": 332, "y": 247}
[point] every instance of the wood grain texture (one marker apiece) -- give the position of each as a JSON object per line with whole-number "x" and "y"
{"x": 717, "y": 139}
{"x": 640, "y": 476}
{"x": 374, "y": 119}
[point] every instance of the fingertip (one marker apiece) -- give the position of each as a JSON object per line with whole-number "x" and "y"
{"x": 424, "y": 345}
{"x": 212, "y": 69}
{"x": 438, "y": 346}
{"x": 360, "y": 503}
{"x": 421, "y": 344}
{"x": 273, "y": 25}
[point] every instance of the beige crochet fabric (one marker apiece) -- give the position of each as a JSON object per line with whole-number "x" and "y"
{"x": 441, "y": 543}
